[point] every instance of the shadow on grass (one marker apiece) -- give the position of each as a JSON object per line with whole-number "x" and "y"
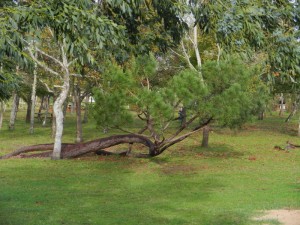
{"x": 274, "y": 124}
{"x": 218, "y": 151}
{"x": 160, "y": 160}
{"x": 33, "y": 191}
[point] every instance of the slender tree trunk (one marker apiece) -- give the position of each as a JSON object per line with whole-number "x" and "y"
{"x": 183, "y": 117}
{"x": 28, "y": 111}
{"x": 197, "y": 52}
{"x": 43, "y": 104}
{"x": 47, "y": 98}
{"x": 73, "y": 104}
{"x": 58, "y": 108}
{"x": 2, "y": 110}
{"x": 294, "y": 110}
{"x": 205, "y": 136}
{"x": 78, "y": 115}
{"x": 59, "y": 117}
{"x": 33, "y": 98}
{"x": 14, "y": 110}
{"x": 281, "y": 105}
{"x": 86, "y": 110}
{"x": 261, "y": 115}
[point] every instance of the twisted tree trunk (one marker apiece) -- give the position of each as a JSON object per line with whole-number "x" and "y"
{"x": 75, "y": 150}
{"x": 67, "y": 150}
{"x": 58, "y": 107}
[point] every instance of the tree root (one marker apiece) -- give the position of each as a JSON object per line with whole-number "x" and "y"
{"x": 75, "y": 150}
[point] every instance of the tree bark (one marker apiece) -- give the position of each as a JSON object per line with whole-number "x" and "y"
{"x": 46, "y": 99}
{"x": 65, "y": 106}
{"x": 33, "y": 98}
{"x": 78, "y": 114}
{"x": 205, "y": 136}
{"x": 58, "y": 108}
{"x": 281, "y": 104}
{"x": 86, "y": 110}
{"x": 14, "y": 110}
{"x": 182, "y": 117}
{"x": 2, "y": 110}
{"x": 53, "y": 126}
{"x": 261, "y": 115}
{"x": 73, "y": 105}
{"x": 75, "y": 150}
{"x": 43, "y": 104}
{"x": 28, "y": 111}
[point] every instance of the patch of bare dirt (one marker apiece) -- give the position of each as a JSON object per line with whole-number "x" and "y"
{"x": 284, "y": 216}
{"x": 178, "y": 169}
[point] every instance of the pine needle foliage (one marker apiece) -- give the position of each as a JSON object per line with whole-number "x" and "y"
{"x": 227, "y": 96}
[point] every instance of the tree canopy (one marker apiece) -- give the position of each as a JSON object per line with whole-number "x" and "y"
{"x": 150, "y": 58}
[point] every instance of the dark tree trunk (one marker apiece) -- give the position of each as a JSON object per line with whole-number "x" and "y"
{"x": 205, "y": 136}
{"x": 28, "y": 112}
{"x": 182, "y": 117}
{"x": 78, "y": 114}
{"x": 86, "y": 110}
{"x": 43, "y": 104}
{"x": 75, "y": 150}
{"x": 261, "y": 115}
{"x": 294, "y": 110}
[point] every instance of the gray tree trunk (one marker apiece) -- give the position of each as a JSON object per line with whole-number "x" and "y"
{"x": 33, "y": 98}
{"x": 58, "y": 108}
{"x": 46, "y": 99}
{"x": 281, "y": 105}
{"x": 205, "y": 136}
{"x": 2, "y": 110}
{"x": 14, "y": 110}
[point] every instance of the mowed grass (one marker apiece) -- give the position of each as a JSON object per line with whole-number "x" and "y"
{"x": 239, "y": 175}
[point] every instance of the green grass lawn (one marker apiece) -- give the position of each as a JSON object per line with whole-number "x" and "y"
{"x": 238, "y": 176}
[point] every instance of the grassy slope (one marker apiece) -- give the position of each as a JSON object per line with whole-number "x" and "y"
{"x": 226, "y": 184}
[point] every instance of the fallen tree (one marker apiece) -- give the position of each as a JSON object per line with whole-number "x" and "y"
{"x": 70, "y": 150}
